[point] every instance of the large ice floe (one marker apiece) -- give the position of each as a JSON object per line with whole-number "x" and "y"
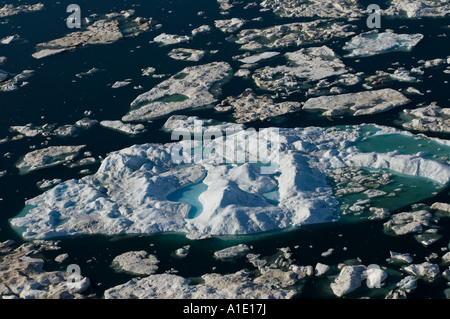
{"x": 314, "y": 8}
{"x": 360, "y": 103}
{"x": 417, "y": 8}
{"x": 230, "y": 25}
{"x": 187, "y": 89}
{"x": 242, "y": 183}
{"x": 10, "y": 10}
{"x": 293, "y": 34}
{"x": 9, "y": 82}
{"x": 372, "y": 43}
{"x": 307, "y": 64}
{"x": 23, "y": 274}
{"x": 109, "y": 29}
{"x": 47, "y": 157}
{"x": 238, "y": 285}
{"x": 431, "y": 118}
{"x": 249, "y": 107}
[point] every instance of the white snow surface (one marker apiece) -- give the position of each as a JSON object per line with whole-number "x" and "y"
{"x": 192, "y": 84}
{"x": 368, "y": 44}
{"x": 259, "y": 57}
{"x": 128, "y": 194}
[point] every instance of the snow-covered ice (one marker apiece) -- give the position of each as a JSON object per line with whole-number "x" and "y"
{"x": 417, "y": 8}
{"x": 192, "y": 123}
{"x": 368, "y": 44}
{"x": 431, "y": 118}
{"x": 169, "y": 39}
{"x": 127, "y": 128}
{"x": 250, "y": 107}
{"x": 188, "y": 89}
{"x": 105, "y": 30}
{"x": 360, "y": 103}
{"x": 293, "y": 34}
{"x": 230, "y": 25}
{"x": 10, "y": 10}
{"x": 47, "y": 157}
{"x": 314, "y": 8}
{"x": 232, "y": 252}
{"x": 308, "y": 64}
{"x": 136, "y": 262}
{"x": 128, "y": 192}
{"x": 259, "y": 57}
{"x": 215, "y": 286}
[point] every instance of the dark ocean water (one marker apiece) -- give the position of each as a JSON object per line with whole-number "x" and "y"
{"x": 56, "y": 95}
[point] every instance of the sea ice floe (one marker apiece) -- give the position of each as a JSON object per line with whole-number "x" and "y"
{"x": 315, "y": 8}
{"x": 119, "y": 84}
{"x": 225, "y": 5}
{"x": 188, "y": 89}
{"x": 426, "y": 270}
{"x": 31, "y": 130}
{"x": 232, "y": 252}
{"x": 371, "y": 43}
{"x": 431, "y": 118}
{"x": 408, "y": 222}
{"x": 270, "y": 282}
{"x": 128, "y": 194}
{"x": 417, "y": 8}
{"x": 136, "y": 262}
{"x": 321, "y": 269}
{"x": 168, "y": 286}
{"x": 360, "y": 103}
{"x": 446, "y": 258}
{"x": 249, "y": 107}
{"x": 10, "y": 39}
{"x": 47, "y": 157}
{"x": 148, "y": 71}
{"x": 292, "y": 34}
{"x": 169, "y": 39}
{"x": 229, "y": 25}
{"x": 407, "y": 284}
{"x": 23, "y": 274}
{"x": 445, "y": 207}
{"x": 308, "y": 64}
{"x": 127, "y": 128}
{"x": 86, "y": 123}
{"x": 259, "y": 57}
{"x": 201, "y": 29}
{"x": 244, "y": 73}
{"x": 10, "y": 10}
{"x": 9, "y": 82}
{"x": 400, "y": 258}
{"x": 187, "y": 54}
{"x": 349, "y": 279}
{"x": 43, "y": 53}
{"x": 182, "y": 252}
{"x": 194, "y": 124}
{"x": 111, "y": 28}
{"x": 403, "y": 75}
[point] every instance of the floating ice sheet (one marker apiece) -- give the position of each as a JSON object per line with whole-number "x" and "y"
{"x": 128, "y": 194}
{"x": 368, "y": 44}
